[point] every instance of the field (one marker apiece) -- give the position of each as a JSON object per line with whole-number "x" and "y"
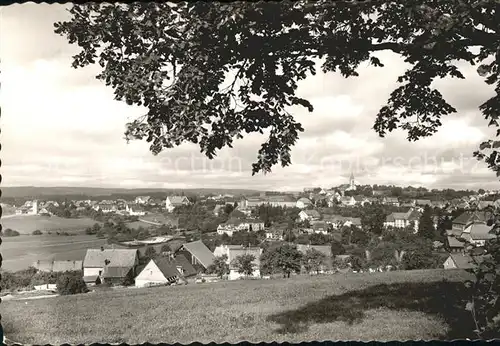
{"x": 379, "y": 306}
{"x": 20, "y": 252}
{"x": 26, "y": 224}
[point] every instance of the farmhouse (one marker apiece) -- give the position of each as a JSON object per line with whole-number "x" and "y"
{"x": 464, "y": 219}
{"x": 106, "y": 208}
{"x": 142, "y": 199}
{"x": 236, "y": 224}
{"x": 303, "y": 203}
{"x": 232, "y": 252}
{"x": 458, "y": 261}
{"x": 164, "y": 270}
{"x": 309, "y": 215}
{"x": 391, "y": 201}
{"x": 197, "y": 253}
{"x": 250, "y": 202}
{"x": 403, "y": 220}
{"x": 282, "y": 201}
{"x": 135, "y": 210}
{"x": 58, "y": 266}
{"x": 175, "y": 201}
{"x": 109, "y": 265}
{"x": 477, "y": 233}
{"x": 348, "y": 201}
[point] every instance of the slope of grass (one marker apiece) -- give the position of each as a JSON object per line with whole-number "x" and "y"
{"x": 26, "y": 224}
{"x": 378, "y": 306}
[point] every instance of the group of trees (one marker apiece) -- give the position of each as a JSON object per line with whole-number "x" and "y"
{"x": 118, "y": 232}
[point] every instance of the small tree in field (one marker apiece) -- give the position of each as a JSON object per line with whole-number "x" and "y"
{"x": 219, "y": 266}
{"x": 71, "y": 283}
{"x": 37, "y": 232}
{"x": 313, "y": 260}
{"x": 244, "y": 264}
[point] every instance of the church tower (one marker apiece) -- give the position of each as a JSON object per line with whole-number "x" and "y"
{"x": 352, "y": 185}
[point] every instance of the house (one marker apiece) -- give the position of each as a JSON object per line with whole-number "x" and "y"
{"x": 320, "y": 227}
{"x": 135, "y": 210}
{"x": 197, "y": 253}
{"x": 251, "y": 202}
{"x": 477, "y": 233}
{"x": 464, "y": 219}
{"x": 235, "y": 224}
{"x": 232, "y": 252}
{"x": 172, "y": 202}
{"x": 275, "y": 234}
{"x": 461, "y": 261}
{"x": 403, "y": 220}
{"x": 349, "y": 221}
{"x": 286, "y": 201}
{"x": 348, "y": 201}
{"x": 361, "y": 200}
{"x": 309, "y": 215}
{"x": 423, "y": 202}
{"x": 303, "y": 203}
{"x": 337, "y": 221}
{"x": 454, "y": 244}
{"x": 142, "y": 199}
{"x": 106, "y": 208}
{"x": 164, "y": 270}
{"x": 109, "y": 265}
{"x": 58, "y": 266}
{"x": 390, "y": 201}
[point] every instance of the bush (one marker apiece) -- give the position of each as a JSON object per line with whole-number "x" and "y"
{"x": 37, "y": 232}
{"x": 10, "y": 233}
{"x": 71, "y": 283}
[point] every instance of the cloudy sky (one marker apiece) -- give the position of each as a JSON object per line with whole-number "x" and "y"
{"x": 62, "y": 127}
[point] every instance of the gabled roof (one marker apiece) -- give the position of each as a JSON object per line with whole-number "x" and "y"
{"x": 168, "y": 266}
{"x": 199, "y": 250}
{"x": 479, "y": 231}
{"x": 179, "y": 200}
{"x": 304, "y": 200}
{"x": 423, "y": 202}
{"x": 115, "y": 272}
{"x": 462, "y": 261}
{"x": 468, "y": 216}
{"x": 281, "y": 198}
{"x": 454, "y": 242}
{"x": 95, "y": 258}
{"x": 354, "y": 220}
{"x": 324, "y": 249}
{"x": 311, "y": 213}
{"x": 391, "y": 199}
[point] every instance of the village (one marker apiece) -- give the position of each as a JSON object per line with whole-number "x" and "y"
{"x": 327, "y": 242}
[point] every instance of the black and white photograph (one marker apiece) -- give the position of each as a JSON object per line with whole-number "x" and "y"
{"x": 261, "y": 171}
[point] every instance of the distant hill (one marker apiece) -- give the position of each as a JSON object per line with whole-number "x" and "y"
{"x": 33, "y": 191}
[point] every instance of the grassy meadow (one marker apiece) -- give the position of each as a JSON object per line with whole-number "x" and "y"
{"x": 404, "y": 305}
{"x": 22, "y": 251}
{"x": 26, "y": 224}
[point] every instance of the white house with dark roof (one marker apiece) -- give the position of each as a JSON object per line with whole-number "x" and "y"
{"x": 303, "y": 203}
{"x": 171, "y": 202}
{"x": 164, "y": 271}
{"x": 135, "y": 210}
{"x": 109, "y": 265}
{"x": 309, "y": 215}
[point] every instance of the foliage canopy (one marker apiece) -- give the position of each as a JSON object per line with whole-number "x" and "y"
{"x": 208, "y": 73}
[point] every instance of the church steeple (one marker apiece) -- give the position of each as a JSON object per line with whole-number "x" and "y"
{"x": 351, "y": 181}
